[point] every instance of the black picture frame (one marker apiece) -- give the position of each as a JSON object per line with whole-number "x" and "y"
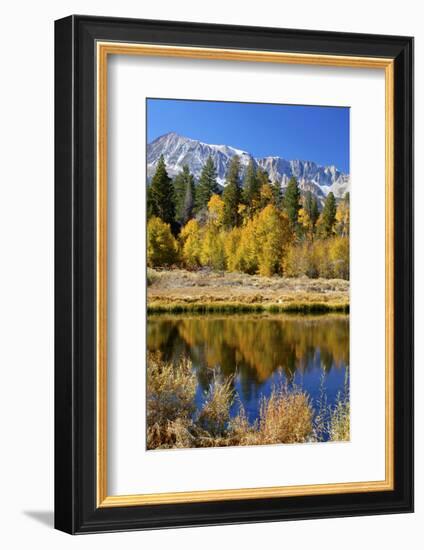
{"x": 75, "y": 275}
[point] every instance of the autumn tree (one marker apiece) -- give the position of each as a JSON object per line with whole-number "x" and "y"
{"x": 161, "y": 244}
{"x": 343, "y": 217}
{"x": 339, "y": 256}
{"x": 207, "y": 185}
{"x": 213, "y": 237}
{"x": 216, "y": 208}
{"x": 272, "y": 235}
{"x": 232, "y": 248}
{"x": 160, "y": 195}
{"x": 191, "y": 241}
{"x": 266, "y": 195}
{"x": 232, "y": 194}
{"x": 269, "y": 192}
{"x": 213, "y": 249}
{"x": 243, "y": 251}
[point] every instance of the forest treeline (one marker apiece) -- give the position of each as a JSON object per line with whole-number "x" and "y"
{"x": 250, "y": 227}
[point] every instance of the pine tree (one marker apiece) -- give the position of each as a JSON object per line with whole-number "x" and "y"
{"x": 328, "y": 215}
{"x": 263, "y": 177}
{"x": 207, "y": 185}
{"x": 276, "y": 192}
{"x": 160, "y": 195}
{"x": 292, "y": 201}
{"x": 251, "y": 187}
{"x": 308, "y": 203}
{"x": 232, "y": 194}
{"x": 312, "y": 211}
{"x": 184, "y": 195}
{"x": 188, "y": 200}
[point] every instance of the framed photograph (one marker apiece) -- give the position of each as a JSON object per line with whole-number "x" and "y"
{"x": 234, "y": 274}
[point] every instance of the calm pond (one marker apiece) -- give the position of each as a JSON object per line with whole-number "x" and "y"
{"x": 259, "y": 350}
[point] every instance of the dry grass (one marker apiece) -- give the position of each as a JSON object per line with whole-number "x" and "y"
{"x": 340, "y": 422}
{"x": 215, "y": 413}
{"x": 170, "y": 403}
{"x": 287, "y": 416}
{"x": 205, "y": 291}
{"x": 339, "y": 426}
{"x": 333, "y": 423}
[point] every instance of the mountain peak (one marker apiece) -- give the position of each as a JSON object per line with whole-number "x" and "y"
{"x": 180, "y": 150}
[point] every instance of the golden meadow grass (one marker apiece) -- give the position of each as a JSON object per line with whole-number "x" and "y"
{"x": 205, "y": 291}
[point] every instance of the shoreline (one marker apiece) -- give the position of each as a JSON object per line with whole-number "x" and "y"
{"x": 156, "y": 307}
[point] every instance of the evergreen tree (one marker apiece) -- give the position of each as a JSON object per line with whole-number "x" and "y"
{"x": 292, "y": 201}
{"x": 207, "y": 185}
{"x": 184, "y": 195}
{"x": 276, "y": 193}
{"x": 160, "y": 195}
{"x": 263, "y": 177}
{"x": 328, "y": 215}
{"x": 232, "y": 194}
{"x": 251, "y": 187}
{"x": 308, "y": 203}
{"x": 311, "y": 209}
{"x": 188, "y": 200}
{"x": 314, "y": 212}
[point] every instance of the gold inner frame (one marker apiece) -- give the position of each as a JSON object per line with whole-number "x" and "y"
{"x": 104, "y": 49}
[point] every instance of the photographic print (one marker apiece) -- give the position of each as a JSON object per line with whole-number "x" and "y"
{"x": 248, "y": 274}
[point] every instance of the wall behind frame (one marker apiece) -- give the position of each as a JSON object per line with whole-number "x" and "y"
{"x": 26, "y": 274}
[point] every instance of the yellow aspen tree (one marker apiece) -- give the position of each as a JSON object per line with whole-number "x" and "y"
{"x": 191, "y": 242}
{"x": 162, "y": 248}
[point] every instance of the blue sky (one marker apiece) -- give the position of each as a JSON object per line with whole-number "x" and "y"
{"x": 320, "y": 134}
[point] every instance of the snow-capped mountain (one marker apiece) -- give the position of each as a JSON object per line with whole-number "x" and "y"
{"x": 178, "y": 151}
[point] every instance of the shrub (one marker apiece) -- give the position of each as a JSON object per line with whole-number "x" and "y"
{"x": 170, "y": 401}
{"x": 339, "y": 429}
{"x": 215, "y": 413}
{"x": 286, "y": 417}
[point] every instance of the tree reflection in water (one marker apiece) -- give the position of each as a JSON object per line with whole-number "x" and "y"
{"x": 257, "y": 350}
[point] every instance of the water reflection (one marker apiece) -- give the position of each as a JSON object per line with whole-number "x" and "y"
{"x": 258, "y": 350}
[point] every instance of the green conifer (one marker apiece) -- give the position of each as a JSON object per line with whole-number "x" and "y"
{"x": 160, "y": 195}
{"x": 232, "y": 194}
{"x": 292, "y": 201}
{"x": 251, "y": 187}
{"x": 207, "y": 185}
{"x": 329, "y": 215}
{"x": 184, "y": 195}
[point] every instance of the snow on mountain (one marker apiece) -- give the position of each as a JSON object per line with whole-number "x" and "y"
{"x": 178, "y": 151}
